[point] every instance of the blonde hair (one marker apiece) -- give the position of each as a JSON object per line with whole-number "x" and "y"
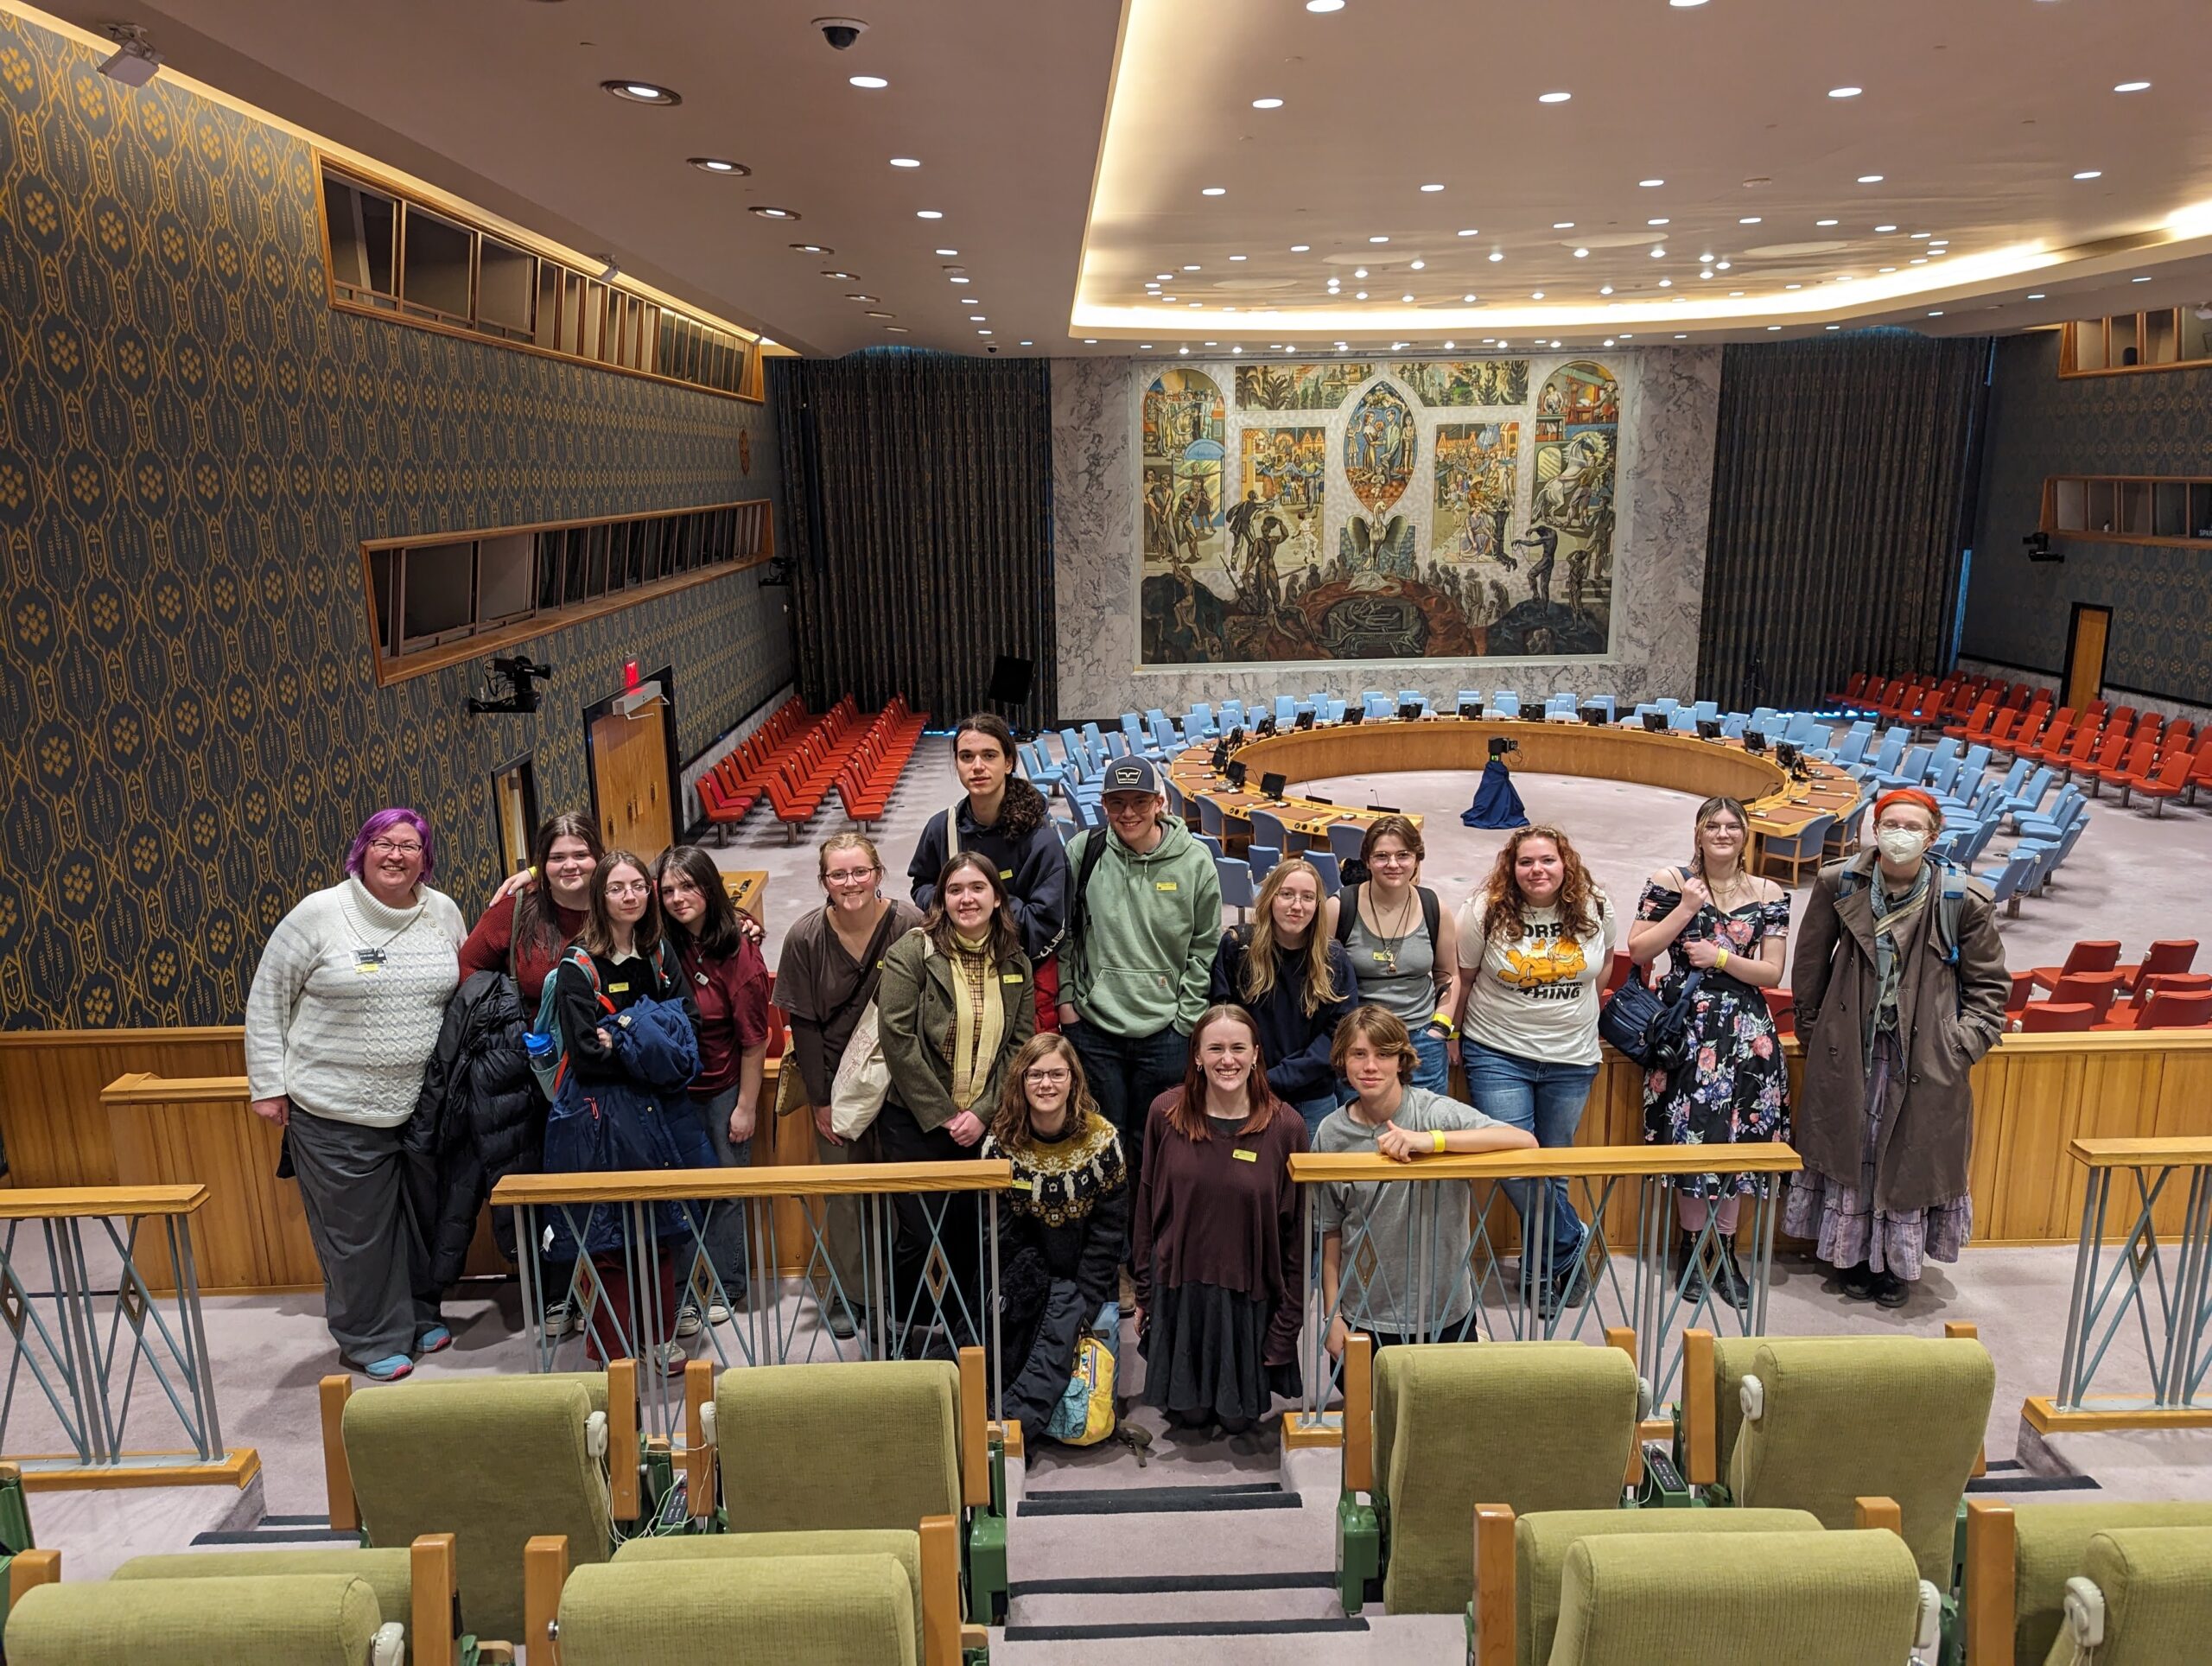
{"x": 1719, "y": 805}
{"x": 1385, "y": 1032}
{"x": 847, "y": 841}
{"x": 1257, "y": 980}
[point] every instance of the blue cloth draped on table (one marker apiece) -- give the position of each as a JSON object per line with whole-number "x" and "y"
{"x": 1496, "y": 805}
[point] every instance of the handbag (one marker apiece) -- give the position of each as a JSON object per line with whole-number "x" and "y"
{"x": 862, "y": 1080}
{"x": 1085, "y": 1414}
{"x": 1655, "y": 1036}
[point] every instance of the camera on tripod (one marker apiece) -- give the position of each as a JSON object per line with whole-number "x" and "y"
{"x": 1500, "y": 745}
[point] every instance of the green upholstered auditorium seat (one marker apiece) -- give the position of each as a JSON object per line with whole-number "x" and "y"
{"x": 321, "y": 1619}
{"x": 905, "y": 1549}
{"x": 2019, "y": 1557}
{"x": 386, "y": 1573}
{"x": 853, "y": 1610}
{"x": 2143, "y": 1598}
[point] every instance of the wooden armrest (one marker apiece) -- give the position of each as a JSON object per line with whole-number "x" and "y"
{"x": 622, "y": 1439}
{"x": 1991, "y": 1597}
{"x": 434, "y": 1617}
{"x": 1624, "y": 1337}
{"x": 1961, "y": 1330}
{"x": 940, "y": 1590}
{"x": 1878, "y": 1513}
{"x": 1359, "y": 1412}
{"x": 1701, "y": 1414}
{"x": 975, "y": 1432}
{"x": 1496, "y": 1608}
{"x": 337, "y": 1470}
{"x": 699, "y": 1457}
{"x": 29, "y": 1569}
{"x": 544, "y": 1571}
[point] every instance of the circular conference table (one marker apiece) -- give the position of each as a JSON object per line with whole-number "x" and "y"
{"x": 1780, "y": 807}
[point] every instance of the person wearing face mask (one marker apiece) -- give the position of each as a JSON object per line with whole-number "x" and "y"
{"x": 1064, "y": 1226}
{"x": 1728, "y": 929}
{"x": 1005, "y": 819}
{"x": 1218, "y": 1255}
{"x": 1296, "y": 981}
{"x": 345, "y": 1011}
{"x": 955, "y": 1004}
{"x": 1534, "y": 944}
{"x": 825, "y": 977}
{"x": 1391, "y": 1117}
{"x": 1900, "y": 986}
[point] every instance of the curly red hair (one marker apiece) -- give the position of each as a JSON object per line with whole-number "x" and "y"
{"x": 1577, "y": 892}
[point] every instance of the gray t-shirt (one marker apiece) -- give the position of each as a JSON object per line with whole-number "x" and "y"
{"x": 1385, "y": 1223}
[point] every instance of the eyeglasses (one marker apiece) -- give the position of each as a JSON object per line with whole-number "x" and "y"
{"x": 394, "y": 847}
{"x": 1902, "y": 827}
{"x": 850, "y": 876}
{"x": 1391, "y": 859}
{"x": 1047, "y": 1075}
{"x": 630, "y": 889}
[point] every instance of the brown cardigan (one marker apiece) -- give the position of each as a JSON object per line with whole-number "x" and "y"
{"x": 1947, "y": 1017}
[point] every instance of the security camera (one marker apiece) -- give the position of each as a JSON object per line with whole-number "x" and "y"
{"x": 841, "y": 32}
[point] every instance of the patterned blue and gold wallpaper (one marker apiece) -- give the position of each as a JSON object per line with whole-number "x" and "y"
{"x": 2018, "y": 612}
{"x": 192, "y": 446}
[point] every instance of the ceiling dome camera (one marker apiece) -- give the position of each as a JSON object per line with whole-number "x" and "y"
{"x": 841, "y": 32}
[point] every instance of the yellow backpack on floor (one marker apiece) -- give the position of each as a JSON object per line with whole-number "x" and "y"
{"x": 1085, "y": 1414}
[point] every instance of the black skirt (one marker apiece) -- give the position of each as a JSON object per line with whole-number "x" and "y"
{"x": 1205, "y": 1352}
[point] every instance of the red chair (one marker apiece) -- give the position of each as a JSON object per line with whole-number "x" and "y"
{"x": 1977, "y": 722}
{"x": 2148, "y": 989}
{"x": 2048, "y": 1017}
{"x": 2050, "y": 747}
{"x": 2200, "y": 770}
{"x": 2094, "y": 990}
{"x": 2167, "y": 781}
{"x": 2167, "y": 954}
{"x": 1619, "y": 972}
{"x": 2169, "y": 1010}
{"x": 2024, "y": 985}
{"x": 2090, "y": 954}
{"x": 2081, "y": 750}
{"x": 1784, "y": 1007}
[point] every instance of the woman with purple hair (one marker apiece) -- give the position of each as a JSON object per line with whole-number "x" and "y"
{"x": 343, "y": 1014}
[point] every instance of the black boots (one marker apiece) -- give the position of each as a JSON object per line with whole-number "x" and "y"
{"x": 1725, "y": 1276}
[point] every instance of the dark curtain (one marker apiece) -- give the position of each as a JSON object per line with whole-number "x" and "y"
{"x": 1843, "y": 479}
{"x": 917, "y": 494}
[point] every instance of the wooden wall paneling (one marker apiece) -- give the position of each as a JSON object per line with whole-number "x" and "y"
{"x": 50, "y": 1083}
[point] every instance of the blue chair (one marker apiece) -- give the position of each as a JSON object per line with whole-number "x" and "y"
{"x": 1236, "y": 884}
{"x": 1976, "y": 841}
{"x": 1977, "y": 759}
{"x": 1733, "y": 726}
{"x": 2004, "y": 882}
{"x": 1843, "y": 833}
{"x": 1605, "y": 701}
{"x": 1083, "y": 810}
{"x": 1464, "y": 695}
{"x": 1261, "y": 859}
{"x": 1559, "y": 705}
{"x": 1346, "y": 839}
{"x": 1669, "y": 702}
{"x": 1165, "y": 736}
{"x": 1705, "y": 710}
{"x": 1800, "y": 850}
{"x": 1853, "y": 752}
{"x": 1212, "y": 844}
{"x": 1376, "y": 704}
{"x": 1211, "y": 822}
{"x": 1504, "y": 703}
{"x": 1886, "y": 761}
{"x": 1325, "y": 862}
{"x": 1804, "y": 730}
{"x": 1094, "y": 744}
{"x": 1942, "y": 778}
{"x": 1043, "y": 776}
{"x": 1946, "y": 749}
{"x": 2027, "y": 803}
{"x": 1335, "y": 714}
{"x": 1267, "y": 829}
{"x": 1681, "y": 721}
{"x": 1286, "y": 711}
{"x": 1199, "y": 723}
{"x": 1177, "y": 806}
{"x": 2072, "y": 806}
{"x": 1066, "y": 831}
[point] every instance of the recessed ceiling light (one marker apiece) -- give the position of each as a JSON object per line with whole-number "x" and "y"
{"x": 1535, "y": 295}
{"x": 1359, "y": 271}
{"x": 2140, "y": 280}
{"x": 1145, "y": 347}
{"x": 2090, "y": 174}
{"x": 719, "y": 165}
{"x": 1659, "y": 254}
{"x": 977, "y": 318}
{"x": 1824, "y": 222}
{"x": 1193, "y": 269}
{"x": 855, "y": 295}
{"x": 983, "y": 332}
{"x": 1267, "y": 104}
{"x": 1748, "y": 219}
{"x": 1888, "y": 268}
{"x": 906, "y": 161}
{"x": 2132, "y": 86}
{"x": 1325, "y": 5}
{"x": 2038, "y": 296}
{"x": 928, "y": 214}
{"x": 1406, "y": 298}
{"x": 1471, "y": 231}
{"x": 1834, "y": 326}
{"x": 1649, "y": 184}
{"x": 1359, "y": 294}
{"x": 1090, "y": 340}
{"x": 1662, "y": 220}
{"x": 1213, "y": 190}
{"x": 846, "y": 276}
{"x": 1666, "y": 283}
{"x": 1468, "y": 298}
{"x": 1774, "y": 327}
{"x": 1301, "y": 248}
{"x": 1496, "y": 254}
{"x": 1420, "y": 265}
{"x": 1723, "y": 264}
{"x": 1684, "y": 5}
{"x": 1554, "y": 97}
{"x": 880, "y": 314}
{"x": 1845, "y": 92}
{"x": 1678, "y": 337}
{"x": 1735, "y": 294}
{"x": 1917, "y": 260}
{"x": 1582, "y": 254}
{"x": 1938, "y": 313}
{"x": 814, "y": 248}
{"x": 642, "y": 93}
{"x": 1562, "y": 226}
{"x": 1605, "y": 289}
{"x": 766, "y": 213}
{"x": 1793, "y": 286}
{"x": 947, "y": 251}
{"x": 1236, "y": 257}
{"x": 1378, "y": 239}
{"x": 896, "y": 329}
{"x": 1609, "y": 341}
{"x": 956, "y": 280}
{"x": 1432, "y": 187}
{"x": 870, "y": 83}
{"x": 1870, "y": 179}
{"x": 1028, "y": 344}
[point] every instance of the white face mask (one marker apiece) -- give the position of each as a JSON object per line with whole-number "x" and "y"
{"x": 1900, "y": 844}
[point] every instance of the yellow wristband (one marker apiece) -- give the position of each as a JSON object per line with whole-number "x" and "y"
{"x": 1439, "y": 1134}
{"x": 1721, "y": 963}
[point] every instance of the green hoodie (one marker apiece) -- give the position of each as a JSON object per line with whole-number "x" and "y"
{"x": 1150, "y": 926}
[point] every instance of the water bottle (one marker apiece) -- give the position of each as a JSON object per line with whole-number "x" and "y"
{"x": 542, "y": 1049}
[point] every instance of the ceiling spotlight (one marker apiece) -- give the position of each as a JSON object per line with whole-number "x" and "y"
{"x": 878, "y": 314}
{"x": 1562, "y": 226}
{"x": 1469, "y": 299}
{"x": 868, "y": 83}
{"x": 1325, "y": 5}
{"x": 1774, "y": 327}
{"x": 642, "y": 93}
{"x": 1609, "y": 341}
{"x": 928, "y": 214}
{"x": 2145, "y": 279}
{"x": 1666, "y": 283}
{"x": 1870, "y": 179}
{"x": 906, "y": 161}
{"x": 855, "y": 295}
{"x": 1028, "y": 344}
{"x": 1938, "y": 313}
{"x": 813, "y": 248}
{"x": 1605, "y": 288}
{"x": 1406, "y": 298}
{"x": 2090, "y": 174}
{"x": 1267, "y": 104}
{"x": 717, "y": 165}
{"x": 1748, "y": 219}
{"x": 1834, "y": 326}
{"x": 1824, "y": 222}
{"x": 1359, "y": 271}
{"x": 1497, "y": 254}
{"x": 1649, "y": 184}
{"x": 1432, "y": 187}
{"x": 1213, "y": 190}
{"x": 1793, "y": 286}
{"x": 1535, "y": 295}
{"x": 1301, "y": 248}
{"x": 983, "y": 332}
{"x": 1662, "y": 220}
{"x": 1723, "y": 264}
{"x": 947, "y": 251}
{"x": 2132, "y": 86}
{"x": 847, "y": 276}
{"x": 1684, "y": 5}
{"x": 1193, "y": 269}
{"x": 956, "y": 280}
{"x": 766, "y": 213}
{"x": 1554, "y": 97}
{"x": 1659, "y": 254}
{"x": 1471, "y": 231}
{"x": 1420, "y": 265}
{"x": 896, "y": 329}
{"x": 1845, "y": 92}
{"x": 1236, "y": 257}
{"x": 2038, "y": 296}
{"x": 1886, "y": 228}
{"x": 1090, "y": 340}
{"x": 1582, "y": 254}
{"x": 1378, "y": 239}
{"x": 1359, "y": 294}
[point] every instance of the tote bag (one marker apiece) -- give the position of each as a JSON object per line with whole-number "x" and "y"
{"x": 862, "y": 1080}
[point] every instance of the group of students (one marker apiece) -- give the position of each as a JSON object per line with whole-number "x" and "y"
{"x": 1080, "y": 1011}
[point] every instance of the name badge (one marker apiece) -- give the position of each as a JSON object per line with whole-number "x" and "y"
{"x": 1009, "y": 977}
{"x": 700, "y": 978}
{"x": 617, "y": 988}
{"x": 1246, "y": 1156}
{"x": 1163, "y": 885}
{"x": 1020, "y": 1184}
{"x": 367, "y": 962}
{"x": 1006, "y": 872}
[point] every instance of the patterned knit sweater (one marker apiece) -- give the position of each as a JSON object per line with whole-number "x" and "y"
{"x": 1071, "y": 1200}
{"x": 346, "y": 1002}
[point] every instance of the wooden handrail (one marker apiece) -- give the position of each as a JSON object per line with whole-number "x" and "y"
{"x": 75, "y": 1202}
{"x": 1758, "y": 1157}
{"x": 2180, "y": 1150}
{"x": 144, "y": 1087}
{"x": 793, "y": 1180}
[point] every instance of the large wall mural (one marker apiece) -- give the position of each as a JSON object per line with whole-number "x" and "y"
{"x": 1378, "y": 511}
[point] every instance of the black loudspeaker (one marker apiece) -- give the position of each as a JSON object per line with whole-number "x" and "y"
{"x": 1010, "y": 680}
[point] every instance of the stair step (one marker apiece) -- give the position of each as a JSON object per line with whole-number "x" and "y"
{"x": 1247, "y": 1628}
{"x": 1145, "y": 1500}
{"x": 1152, "y": 1546}
{"x": 1186, "y": 1601}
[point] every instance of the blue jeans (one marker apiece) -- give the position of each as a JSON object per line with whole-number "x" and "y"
{"x": 1315, "y": 1111}
{"x": 1544, "y": 1098}
{"x": 1125, "y": 1074}
{"x": 1434, "y": 1071}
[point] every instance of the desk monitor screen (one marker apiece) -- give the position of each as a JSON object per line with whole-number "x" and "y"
{"x": 1656, "y": 721}
{"x": 1355, "y": 713}
{"x": 1753, "y": 740}
{"x": 1707, "y": 729}
{"x": 1532, "y": 712}
{"x": 1220, "y": 759}
{"x": 1594, "y": 715}
{"x": 1271, "y": 785}
{"x": 1471, "y": 708}
{"x": 1236, "y": 772}
{"x": 1305, "y": 719}
{"x": 1408, "y": 711}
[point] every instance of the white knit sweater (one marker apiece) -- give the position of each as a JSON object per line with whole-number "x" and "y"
{"x": 344, "y": 1032}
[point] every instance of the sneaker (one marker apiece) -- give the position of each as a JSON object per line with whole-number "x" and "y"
{"x": 687, "y": 1321}
{"x": 673, "y": 1359}
{"x": 436, "y": 1339}
{"x": 840, "y": 1321}
{"x": 560, "y": 1319}
{"x": 390, "y": 1369}
{"x": 1571, "y": 1283}
{"x": 717, "y": 1313}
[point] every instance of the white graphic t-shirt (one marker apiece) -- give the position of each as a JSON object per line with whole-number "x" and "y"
{"x": 1535, "y": 995}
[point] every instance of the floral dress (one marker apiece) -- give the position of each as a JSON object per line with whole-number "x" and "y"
{"x": 1735, "y": 1086}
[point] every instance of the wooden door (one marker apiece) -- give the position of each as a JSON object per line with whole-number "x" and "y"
{"x": 2085, "y": 654}
{"x": 514, "y": 793}
{"x": 629, "y": 757}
